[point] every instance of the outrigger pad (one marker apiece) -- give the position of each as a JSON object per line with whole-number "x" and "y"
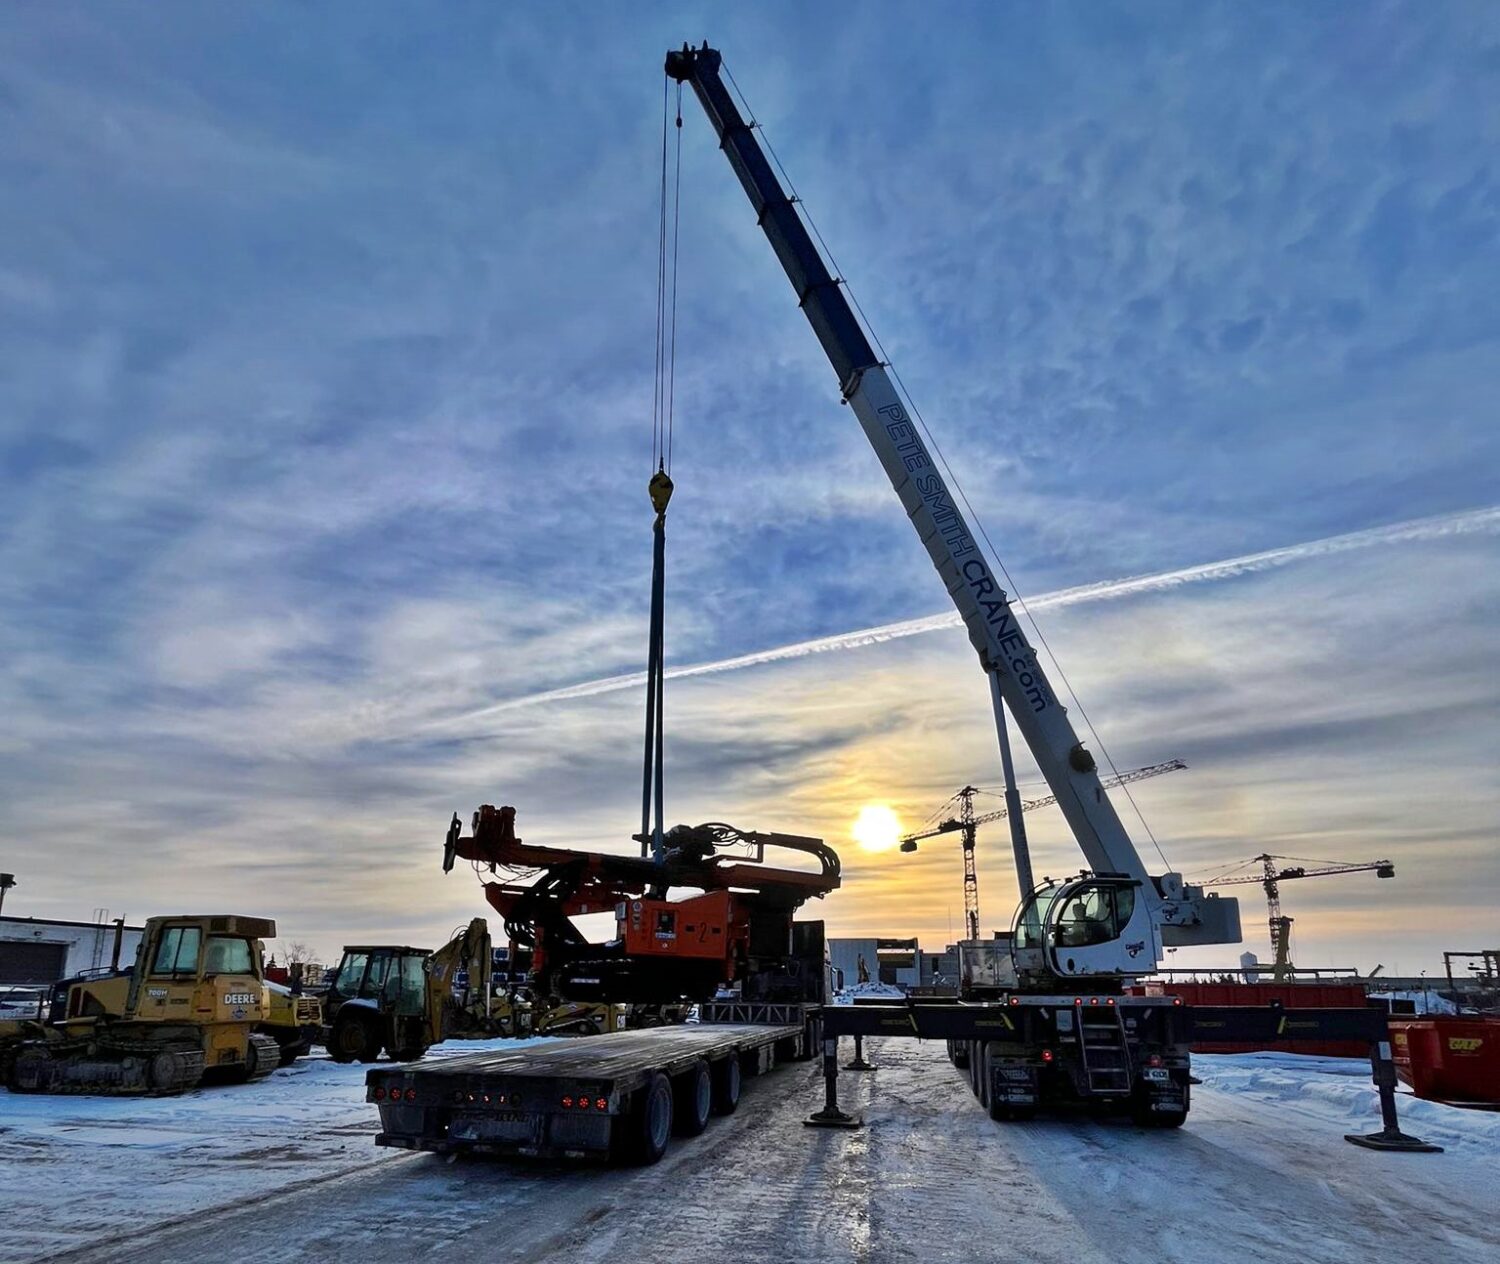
{"x": 833, "y": 1119}
{"x": 859, "y": 1065}
{"x": 1393, "y": 1139}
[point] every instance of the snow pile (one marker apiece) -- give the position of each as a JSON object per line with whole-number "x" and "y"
{"x": 1425, "y": 1002}
{"x": 1342, "y": 1092}
{"x": 885, "y": 991}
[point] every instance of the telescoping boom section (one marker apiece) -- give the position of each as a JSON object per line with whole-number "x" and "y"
{"x": 1163, "y": 910}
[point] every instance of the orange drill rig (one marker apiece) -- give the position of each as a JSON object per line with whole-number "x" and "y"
{"x": 737, "y": 934}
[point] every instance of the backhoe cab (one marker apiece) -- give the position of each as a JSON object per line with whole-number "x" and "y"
{"x": 378, "y": 1001}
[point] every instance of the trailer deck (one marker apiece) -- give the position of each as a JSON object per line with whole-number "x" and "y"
{"x": 575, "y": 1098}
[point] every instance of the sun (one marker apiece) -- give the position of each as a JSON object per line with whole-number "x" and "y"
{"x": 876, "y": 828}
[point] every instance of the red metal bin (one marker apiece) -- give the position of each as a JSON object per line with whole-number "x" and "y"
{"x": 1449, "y": 1059}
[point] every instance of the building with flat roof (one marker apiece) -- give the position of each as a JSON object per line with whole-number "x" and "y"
{"x": 37, "y": 951}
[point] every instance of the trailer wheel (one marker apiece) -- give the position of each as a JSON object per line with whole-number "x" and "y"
{"x": 693, "y": 1100}
{"x": 983, "y": 1075}
{"x": 1004, "y": 1114}
{"x": 726, "y": 1076}
{"x": 972, "y": 1062}
{"x": 958, "y": 1052}
{"x": 649, "y": 1123}
{"x": 812, "y": 1039}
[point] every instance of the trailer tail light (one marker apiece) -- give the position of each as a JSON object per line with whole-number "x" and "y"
{"x": 601, "y": 1103}
{"x": 1093, "y": 1000}
{"x": 1154, "y": 1060}
{"x": 411, "y": 1094}
{"x": 1177, "y": 1000}
{"x": 379, "y": 1094}
{"x": 1015, "y": 1000}
{"x": 567, "y": 1103}
{"x": 1110, "y": 1001}
{"x": 1046, "y": 1055}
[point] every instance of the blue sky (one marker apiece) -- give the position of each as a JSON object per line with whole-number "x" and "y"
{"x": 325, "y": 390}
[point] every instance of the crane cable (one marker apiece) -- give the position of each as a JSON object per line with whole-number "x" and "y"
{"x": 660, "y": 486}
{"x": 948, "y": 470}
{"x": 663, "y": 403}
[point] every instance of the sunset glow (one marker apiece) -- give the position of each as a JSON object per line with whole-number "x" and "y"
{"x": 876, "y": 828}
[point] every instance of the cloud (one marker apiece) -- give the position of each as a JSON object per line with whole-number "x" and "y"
{"x": 1478, "y": 521}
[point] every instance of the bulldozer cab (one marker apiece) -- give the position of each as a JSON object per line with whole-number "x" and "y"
{"x": 202, "y": 969}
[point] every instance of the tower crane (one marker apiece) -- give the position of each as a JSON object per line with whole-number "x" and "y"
{"x": 1278, "y": 869}
{"x": 966, "y": 823}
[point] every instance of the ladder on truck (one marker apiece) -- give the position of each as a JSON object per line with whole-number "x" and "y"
{"x": 1102, "y": 1048}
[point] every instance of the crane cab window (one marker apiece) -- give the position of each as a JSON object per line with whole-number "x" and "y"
{"x": 1094, "y": 915}
{"x": 1027, "y": 932}
{"x": 177, "y": 951}
{"x": 228, "y": 954}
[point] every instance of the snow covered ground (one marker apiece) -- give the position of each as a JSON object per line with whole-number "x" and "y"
{"x": 286, "y": 1169}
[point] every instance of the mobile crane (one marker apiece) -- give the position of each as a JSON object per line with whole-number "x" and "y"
{"x": 1072, "y": 942}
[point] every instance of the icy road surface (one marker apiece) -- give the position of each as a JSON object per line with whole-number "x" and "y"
{"x": 286, "y": 1170}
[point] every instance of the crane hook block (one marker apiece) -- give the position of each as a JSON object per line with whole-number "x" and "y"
{"x": 660, "y": 488}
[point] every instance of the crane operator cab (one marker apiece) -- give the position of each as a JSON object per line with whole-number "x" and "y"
{"x": 1092, "y": 925}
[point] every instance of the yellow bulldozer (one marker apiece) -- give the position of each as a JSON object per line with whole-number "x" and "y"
{"x": 195, "y": 1006}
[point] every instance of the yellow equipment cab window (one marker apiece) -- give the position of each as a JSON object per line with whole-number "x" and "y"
{"x": 228, "y": 954}
{"x": 177, "y": 951}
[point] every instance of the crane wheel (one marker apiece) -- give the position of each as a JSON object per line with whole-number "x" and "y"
{"x": 982, "y": 1074}
{"x": 727, "y": 1080}
{"x": 693, "y": 1100}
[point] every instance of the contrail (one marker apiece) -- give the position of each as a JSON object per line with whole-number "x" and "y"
{"x": 1469, "y": 522}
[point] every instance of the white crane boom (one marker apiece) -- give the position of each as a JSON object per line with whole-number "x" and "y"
{"x": 994, "y": 630}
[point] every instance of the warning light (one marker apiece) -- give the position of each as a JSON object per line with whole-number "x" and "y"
{"x": 1110, "y": 1001}
{"x": 1015, "y": 1000}
{"x": 1046, "y": 1055}
{"x": 1177, "y": 1000}
{"x": 1093, "y": 1000}
{"x": 486, "y": 1099}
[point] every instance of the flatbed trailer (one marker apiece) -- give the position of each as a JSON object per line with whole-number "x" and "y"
{"x": 618, "y": 1096}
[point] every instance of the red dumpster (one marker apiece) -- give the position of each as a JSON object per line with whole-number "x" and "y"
{"x": 1290, "y": 995}
{"x": 1449, "y": 1059}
